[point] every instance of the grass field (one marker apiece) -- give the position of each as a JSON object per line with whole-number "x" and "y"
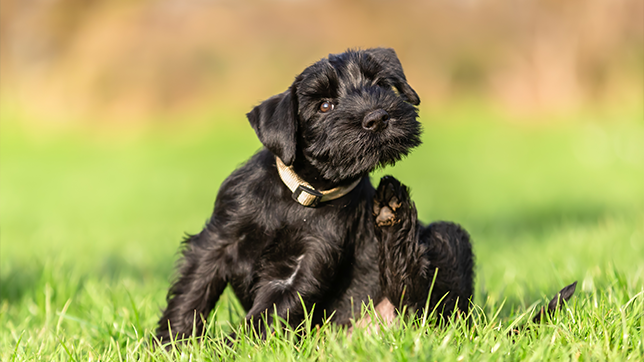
{"x": 91, "y": 223}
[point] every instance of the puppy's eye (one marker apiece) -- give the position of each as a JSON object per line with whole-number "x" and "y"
{"x": 326, "y": 106}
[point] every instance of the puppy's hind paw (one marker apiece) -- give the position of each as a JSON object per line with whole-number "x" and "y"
{"x": 391, "y": 203}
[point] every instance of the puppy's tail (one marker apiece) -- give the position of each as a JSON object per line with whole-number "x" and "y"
{"x": 564, "y": 295}
{"x": 557, "y": 302}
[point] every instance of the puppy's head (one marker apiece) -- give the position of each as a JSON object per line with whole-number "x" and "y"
{"x": 344, "y": 115}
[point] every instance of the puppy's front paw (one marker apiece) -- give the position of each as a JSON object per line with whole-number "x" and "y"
{"x": 391, "y": 203}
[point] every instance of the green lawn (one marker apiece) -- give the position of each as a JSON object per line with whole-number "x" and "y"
{"x": 91, "y": 223}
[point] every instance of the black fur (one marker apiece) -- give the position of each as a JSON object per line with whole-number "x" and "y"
{"x": 273, "y": 250}
{"x": 414, "y": 259}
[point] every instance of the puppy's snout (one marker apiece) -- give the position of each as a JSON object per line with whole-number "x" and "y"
{"x": 376, "y": 120}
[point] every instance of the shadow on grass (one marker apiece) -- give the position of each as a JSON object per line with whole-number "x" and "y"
{"x": 18, "y": 281}
{"x": 542, "y": 220}
{"x": 30, "y": 279}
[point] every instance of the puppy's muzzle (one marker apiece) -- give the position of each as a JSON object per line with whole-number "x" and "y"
{"x": 376, "y": 121}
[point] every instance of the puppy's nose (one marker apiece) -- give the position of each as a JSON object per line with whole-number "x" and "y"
{"x": 376, "y": 120}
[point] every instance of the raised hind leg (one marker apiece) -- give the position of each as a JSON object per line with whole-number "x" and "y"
{"x": 412, "y": 256}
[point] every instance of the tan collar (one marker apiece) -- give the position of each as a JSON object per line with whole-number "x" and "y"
{"x": 303, "y": 192}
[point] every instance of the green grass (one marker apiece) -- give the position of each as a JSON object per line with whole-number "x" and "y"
{"x": 90, "y": 226}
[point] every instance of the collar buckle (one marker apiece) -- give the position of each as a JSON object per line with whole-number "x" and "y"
{"x": 307, "y": 196}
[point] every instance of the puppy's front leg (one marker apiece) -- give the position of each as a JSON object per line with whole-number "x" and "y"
{"x": 284, "y": 295}
{"x": 196, "y": 291}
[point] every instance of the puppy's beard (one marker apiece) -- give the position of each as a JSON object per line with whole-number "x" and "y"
{"x": 347, "y": 155}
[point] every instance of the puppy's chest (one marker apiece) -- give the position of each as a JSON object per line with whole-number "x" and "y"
{"x": 311, "y": 246}
{"x": 303, "y": 237}
{"x": 308, "y": 231}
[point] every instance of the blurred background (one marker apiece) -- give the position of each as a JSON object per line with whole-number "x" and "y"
{"x": 120, "y": 118}
{"x": 124, "y": 61}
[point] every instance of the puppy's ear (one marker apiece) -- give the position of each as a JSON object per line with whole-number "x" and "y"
{"x": 275, "y": 122}
{"x": 393, "y": 69}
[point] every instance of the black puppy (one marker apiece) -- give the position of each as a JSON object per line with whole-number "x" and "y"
{"x": 301, "y": 220}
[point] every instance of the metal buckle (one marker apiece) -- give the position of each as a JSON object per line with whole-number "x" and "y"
{"x": 301, "y": 188}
